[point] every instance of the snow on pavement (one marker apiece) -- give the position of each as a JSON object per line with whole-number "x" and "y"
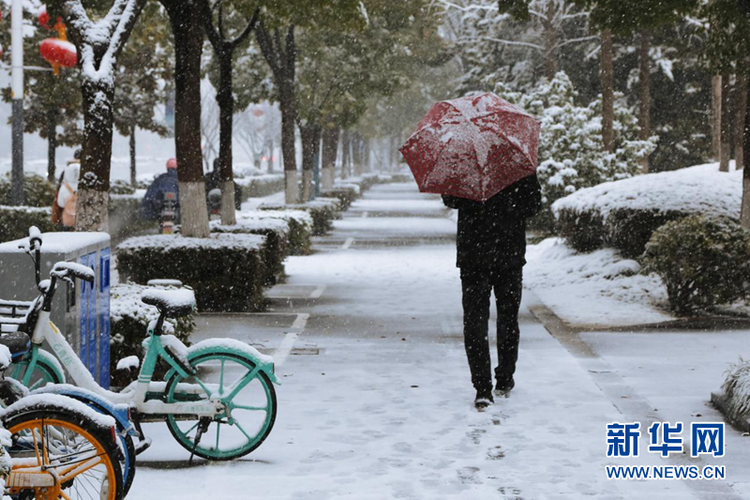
{"x": 385, "y": 409}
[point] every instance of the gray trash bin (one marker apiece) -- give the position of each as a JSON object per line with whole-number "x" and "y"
{"x": 81, "y": 311}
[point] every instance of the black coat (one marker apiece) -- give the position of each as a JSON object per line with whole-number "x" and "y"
{"x": 492, "y": 235}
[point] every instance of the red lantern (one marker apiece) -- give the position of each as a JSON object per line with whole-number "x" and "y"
{"x": 58, "y": 52}
{"x": 43, "y": 19}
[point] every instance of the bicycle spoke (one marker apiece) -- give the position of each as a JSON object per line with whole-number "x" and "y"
{"x": 242, "y": 382}
{"x": 221, "y": 378}
{"x": 242, "y": 430}
{"x": 250, "y": 408}
{"x": 191, "y": 429}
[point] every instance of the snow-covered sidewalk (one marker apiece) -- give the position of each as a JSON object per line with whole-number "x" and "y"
{"x": 377, "y": 401}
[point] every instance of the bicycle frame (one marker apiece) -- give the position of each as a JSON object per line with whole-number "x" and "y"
{"x": 138, "y": 396}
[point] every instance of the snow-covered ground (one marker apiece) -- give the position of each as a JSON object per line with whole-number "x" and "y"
{"x": 377, "y": 402}
{"x": 597, "y": 288}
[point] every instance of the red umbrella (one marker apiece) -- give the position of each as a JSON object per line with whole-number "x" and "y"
{"x": 473, "y": 147}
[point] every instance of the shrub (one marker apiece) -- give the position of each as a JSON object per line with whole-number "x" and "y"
{"x": 300, "y": 227}
{"x": 630, "y": 210}
{"x": 322, "y": 210}
{"x": 260, "y": 185}
{"x": 345, "y": 193}
{"x": 121, "y": 187}
{"x": 583, "y": 231}
{"x": 37, "y": 191}
{"x": 15, "y": 221}
{"x": 225, "y": 270}
{"x": 702, "y": 260}
{"x": 129, "y": 320}
{"x": 276, "y": 248}
{"x": 736, "y": 393}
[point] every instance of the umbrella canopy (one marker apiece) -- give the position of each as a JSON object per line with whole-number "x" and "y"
{"x": 472, "y": 147}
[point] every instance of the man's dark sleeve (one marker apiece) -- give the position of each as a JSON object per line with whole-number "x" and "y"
{"x": 526, "y": 197}
{"x": 150, "y": 205}
{"x": 458, "y": 203}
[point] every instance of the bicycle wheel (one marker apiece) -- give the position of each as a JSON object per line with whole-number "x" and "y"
{"x": 248, "y": 416}
{"x": 44, "y": 373}
{"x": 86, "y": 462}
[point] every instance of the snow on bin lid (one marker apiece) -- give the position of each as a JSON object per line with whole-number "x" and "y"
{"x": 63, "y": 242}
{"x": 178, "y": 298}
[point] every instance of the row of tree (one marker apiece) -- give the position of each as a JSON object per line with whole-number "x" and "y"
{"x": 321, "y": 61}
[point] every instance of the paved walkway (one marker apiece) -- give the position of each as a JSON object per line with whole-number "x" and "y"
{"x": 376, "y": 400}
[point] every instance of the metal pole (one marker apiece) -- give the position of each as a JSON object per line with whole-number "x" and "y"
{"x": 16, "y": 28}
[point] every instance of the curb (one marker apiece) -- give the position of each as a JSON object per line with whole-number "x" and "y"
{"x": 721, "y": 402}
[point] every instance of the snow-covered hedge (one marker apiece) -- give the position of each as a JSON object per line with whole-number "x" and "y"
{"x": 704, "y": 261}
{"x": 276, "y": 248}
{"x": 15, "y": 221}
{"x": 346, "y": 193}
{"x": 300, "y": 225}
{"x": 322, "y": 210}
{"x": 624, "y": 214}
{"x": 129, "y": 319}
{"x": 259, "y": 186}
{"x": 225, "y": 270}
{"x": 571, "y": 151}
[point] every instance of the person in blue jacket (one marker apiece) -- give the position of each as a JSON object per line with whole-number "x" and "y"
{"x": 152, "y": 204}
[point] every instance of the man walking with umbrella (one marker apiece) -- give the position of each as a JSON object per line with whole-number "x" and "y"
{"x": 480, "y": 153}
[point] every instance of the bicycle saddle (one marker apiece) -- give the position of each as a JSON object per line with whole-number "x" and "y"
{"x": 173, "y": 303}
{"x": 17, "y": 342}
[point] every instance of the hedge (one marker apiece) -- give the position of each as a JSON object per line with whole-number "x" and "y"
{"x": 37, "y": 191}
{"x": 226, "y": 270}
{"x": 15, "y": 221}
{"x": 624, "y": 214}
{"x": 703, "y": 261}
{"x": 276, "y": 248}
{"x": 322, "y": 210}
{"x": 260, "y": 185}
{"x": 345, "y": 193}
{"x": 124, "y": 216}
{"x": 129, "y": 319}
{"x": 300, "y": 227}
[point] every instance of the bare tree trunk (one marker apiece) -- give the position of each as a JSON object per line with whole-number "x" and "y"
{"x": 366, "y": 154}
{"x": 740, "y": 96}
{"x": 51, "y": 144}
{"x": 345, "y": 153}
{"x": 185, "y": 19}
{"x": 716, "y": 117}
{"x": 724, "y": 151}
{"x": 645, "y": 108}
{"x": 608, "y": 92}
{"x": 132, "y": 157}
{"x": 328, "y": 156}
{"x": 745, "y": 211}
{"x": 550, "y": 42}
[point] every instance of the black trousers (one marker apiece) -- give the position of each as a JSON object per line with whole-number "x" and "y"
{"x": 477, "y": 285}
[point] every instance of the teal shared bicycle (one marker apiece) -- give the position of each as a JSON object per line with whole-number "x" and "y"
{"x": 217, "y": 396}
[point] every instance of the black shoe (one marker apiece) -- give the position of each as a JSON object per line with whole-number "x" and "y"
{"x": 483, "y": 400}
{"x": 503, "y": 388}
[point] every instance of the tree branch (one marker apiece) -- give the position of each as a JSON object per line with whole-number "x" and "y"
{"x": 512, "y": 42}
{"x": 248, "y": 29}
{"x": 267, "y": 47}
{"x": 208, "y": 24}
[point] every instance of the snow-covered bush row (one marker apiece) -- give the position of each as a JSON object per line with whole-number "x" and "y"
{"x": 15, "y": 221}
{"x": 571, "y": 152}
{"x": 129, "y": 319}
{"x": 346, "y": 193}
{"x": 276, "y": 232}
{"x": 623, "y": 214}
{"x": 300, "y": 225}
{"x": 703, "y": 261}
{"x": 322, "y": 210}
{"x": 259, "y": 186}
{"x": 226, "y": 270}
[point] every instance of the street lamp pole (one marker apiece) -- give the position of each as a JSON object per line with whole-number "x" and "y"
{"x": 16, "y": 30}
